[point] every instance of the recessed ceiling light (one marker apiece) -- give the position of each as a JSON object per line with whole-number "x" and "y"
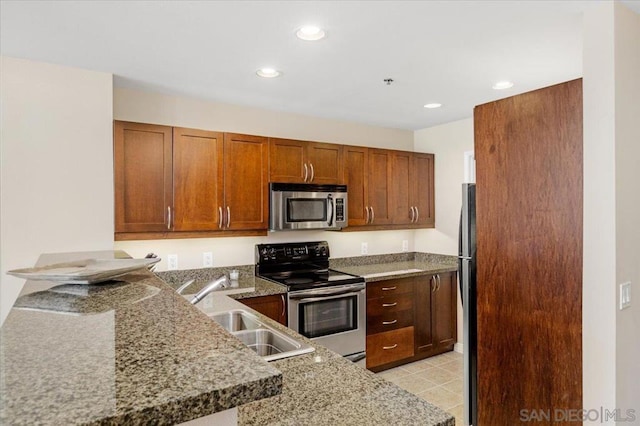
{"x": 433, "y": 105}
{"x": 268, "y": 72}
{"x": 310, "y": 33}
{"x": 501, "y": 85}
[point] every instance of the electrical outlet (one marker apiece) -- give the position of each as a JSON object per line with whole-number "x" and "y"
{"x": 207, "y": 259}
{"x": 625, "y": 295}
{"x": 364, "y": 248}
{"x": 172, "y": 262}
{"x": 405, "y": 245}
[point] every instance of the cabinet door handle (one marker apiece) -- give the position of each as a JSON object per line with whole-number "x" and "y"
{"x": 306, "y": 172}
{"x": 388, "y": 305}
{"x": 219, "y": 217}
{"x": 389, "y": 322}
{"x": 413, "y": 214}
{"x": 432, "y": 282}
{"x": 366, "y": 208}
{"x": 228, "y": 217}
{"x": 438, "y": 280}
{"x": 373, "y": 216}
{"x": 284, "y": 306}
{"x": 313, "y": 172}
{"x": 386, "y": 348}
{"x": 169, "y": 217}
{"x": 417, "y": 214}
{"x": 389, "y": 288}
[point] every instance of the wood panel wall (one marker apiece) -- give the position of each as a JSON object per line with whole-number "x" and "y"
{"x": 528, "y": 151}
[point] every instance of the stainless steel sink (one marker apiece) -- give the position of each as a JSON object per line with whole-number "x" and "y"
{"x": 236, "y": 320}
{"x": 267, "y": 342}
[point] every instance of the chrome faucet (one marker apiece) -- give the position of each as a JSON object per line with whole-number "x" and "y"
{"x": 217, "y": 284}
{"x": 184, "y": 286}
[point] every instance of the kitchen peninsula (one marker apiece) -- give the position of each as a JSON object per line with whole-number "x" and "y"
{"x": 136, "y": 352}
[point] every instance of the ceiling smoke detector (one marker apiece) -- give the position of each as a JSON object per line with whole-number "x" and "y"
{"x": 388, "y": 81}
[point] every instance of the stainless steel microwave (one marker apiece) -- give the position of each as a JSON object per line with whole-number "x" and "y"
{"x": 307, "y": 206}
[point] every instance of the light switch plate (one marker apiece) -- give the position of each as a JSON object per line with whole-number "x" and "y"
{"x": 172, "y": 262}
{"x": 625, "y": 295}
{"x": 207, "y": 259}
{"x": 364, "y": 248}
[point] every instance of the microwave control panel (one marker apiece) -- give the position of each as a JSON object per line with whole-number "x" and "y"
{"x": 340, "y": 210}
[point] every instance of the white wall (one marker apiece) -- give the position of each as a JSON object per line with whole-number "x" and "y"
{"x": 147, "y": 107}
{"x": 448, "y": 142}
{"x": 56, "y": 169}
{"x": 611, "y": 343}
{"x": 627, "y": 176}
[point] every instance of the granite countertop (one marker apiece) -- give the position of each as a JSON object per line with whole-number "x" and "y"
{"x": 398, "y": 265}
{"x": 323, "y": 388}
{"x": 132, "y": 352}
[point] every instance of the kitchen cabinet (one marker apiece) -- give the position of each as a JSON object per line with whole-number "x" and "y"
{"x": 412, "y": 189}
{"x": 367, "y": 175}
{"x": 179, "y": 183}
{"x": 389, "y": 189}
{"x": 425, "y": 305}
{"x": 273, "y": 306}
{"x": 143, "y": 177}
{"x": 293, "y": 161}
{"x": 435, "y": 313}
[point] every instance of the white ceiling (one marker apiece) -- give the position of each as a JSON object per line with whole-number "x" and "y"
{"x": 436, "y": 51}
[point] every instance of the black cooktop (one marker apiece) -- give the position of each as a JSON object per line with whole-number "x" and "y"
{"x": 299, "y": 266}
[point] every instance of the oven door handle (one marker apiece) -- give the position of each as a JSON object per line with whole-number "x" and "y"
{"x": 305, "y": 299}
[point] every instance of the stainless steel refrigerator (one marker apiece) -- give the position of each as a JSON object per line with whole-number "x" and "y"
{"x": 467, "y": 278}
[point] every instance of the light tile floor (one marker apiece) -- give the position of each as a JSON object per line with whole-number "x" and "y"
{"x": 437, "y": 379}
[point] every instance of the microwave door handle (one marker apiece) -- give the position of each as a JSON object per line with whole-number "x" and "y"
{"x": 330, "y": 206}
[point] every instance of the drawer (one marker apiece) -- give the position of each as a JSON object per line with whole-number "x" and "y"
{"x": 389, "y": 321}
{"x": 383, "y": 348}
{"x": 390, "y": 288}
{"x": 389, "y": 304}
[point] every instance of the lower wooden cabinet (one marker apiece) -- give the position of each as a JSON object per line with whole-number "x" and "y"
{"x": 273, "y": 306}
{"x": 389, "y": 346}
{"x": 425, "y": 306}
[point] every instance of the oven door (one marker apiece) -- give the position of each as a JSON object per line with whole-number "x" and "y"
{"x": 334, "y": 317}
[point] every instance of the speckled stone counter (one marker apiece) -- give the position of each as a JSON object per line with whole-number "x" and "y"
{"x": 133, "y": 352}
{"x": 397, "y": 265}
{"x": 246, "y": 286}
{"x": 323, "y": 388}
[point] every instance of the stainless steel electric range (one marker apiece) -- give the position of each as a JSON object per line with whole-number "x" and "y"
{"x": 324, "y": 305}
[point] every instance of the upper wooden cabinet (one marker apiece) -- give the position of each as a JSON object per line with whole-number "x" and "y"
{"x": 188, "y": 183}
{"x": 389, "y": 189}
{"x": 296, "y": 161}
{"x": 246, "y": 186}
{"x": 197, "y": 178}
{"x": 412, "y": 188}
{"x": 143, "y": 177}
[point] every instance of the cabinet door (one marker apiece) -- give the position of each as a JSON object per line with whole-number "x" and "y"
{"x": 143, "y": 177}
{"x": 400, "y": 185}
{"x": 273, "y": 306}
{"x": 379, "y": 178}
{"x": 422, "y": 188}
{"x": 324, "y": 161}
{"x": 424, "y": 288}
{"x": 444, "y": 309}
{"x": 356, "y": 177}
{"x": 246, "y": 186}
{"x": 197, "y": 180}
{"x": 287, "y": 161}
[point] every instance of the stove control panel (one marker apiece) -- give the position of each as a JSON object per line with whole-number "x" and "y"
{"x": 292, "y": 252}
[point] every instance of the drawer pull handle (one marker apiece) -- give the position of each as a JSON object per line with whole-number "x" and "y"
{"x": 388, "y": 305}
{"x": 389, "y": 288}
{"x": 389, "y": 322}
{"x": 390, "y": 347}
